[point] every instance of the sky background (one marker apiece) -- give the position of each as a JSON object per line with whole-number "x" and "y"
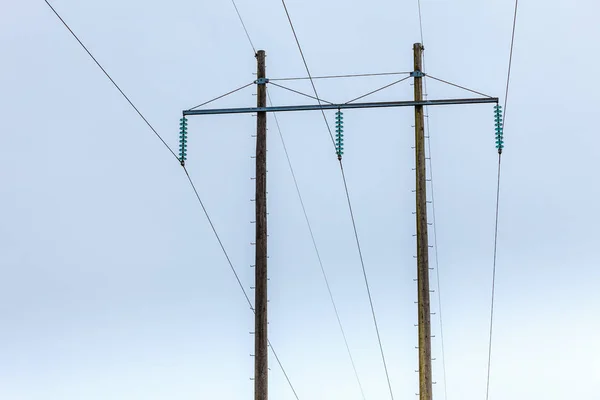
{"x": 113, "y": 286}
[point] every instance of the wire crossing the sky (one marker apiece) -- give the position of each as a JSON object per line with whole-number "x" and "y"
{"x": 433, "y": 212}
{"x": 316, "y": 97}
{"x": 510, "y": 59}
{"x": 188, "y": 177}
{"x": 111, "y": 79}
{"x": 349, "y": 203}
{"x": 243, "y": 25}
{"x": 314, "y": 242}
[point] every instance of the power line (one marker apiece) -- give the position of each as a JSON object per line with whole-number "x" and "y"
{"x": 307, "y": 69}
{"x": 362, "y": 262}
{"x": 512, "y": 45}
{"x": 340, "y": 76}
{"x": 243, "y": 25}
{"x": 314, "y": 242}
{"x": 349, "y": 205}
{"x": 487, "y": 388}
{"x": 433, "y": 212}
{"x": 510, "y": 58}
{"x": 189, "y": 179}
{"x": 212, "y": 226}
{"x": 111, "y": 79}
{"x": 420, "y": 22}
{"x": 308, "y": 223}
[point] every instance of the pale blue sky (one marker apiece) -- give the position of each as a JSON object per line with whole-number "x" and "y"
{"x": 112, "y": 285}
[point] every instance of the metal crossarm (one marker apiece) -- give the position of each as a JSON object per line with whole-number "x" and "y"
{"x": 313, "y": 107}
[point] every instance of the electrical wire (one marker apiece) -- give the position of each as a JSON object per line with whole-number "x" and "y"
{"x": 190, "y": 181}
{"x": 433, "y": 212}
{"x": 362, "y": 262}
{"x": 112, "y": 81}
{"x": 300, "y": 93}
{"x": 221, "y": 96}
{"x": 510, "y": 58}
{"x": 314, "y": 242}
{"x": 212, "y": 226}
{"x": 378, "y": 90}
{"x": 458, "y": 86}
{"x": 512, "y": 45}
{"x": 420, "y": 22}
{"x": 243, "y": 25}
{"x": 487, "y": 387}
{"x": 349, "y": 205}
{"x": 307, "y": 69}
{"x": 340, "y": 76}
{"x": 306, "y": 215}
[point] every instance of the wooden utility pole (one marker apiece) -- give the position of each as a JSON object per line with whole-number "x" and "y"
{"x": 260, "y": 302}
{"x": 425, "y": 382}
{"x": 261, "y": 363}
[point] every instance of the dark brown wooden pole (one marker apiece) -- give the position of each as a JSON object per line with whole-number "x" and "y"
{"x": 261, "y": 363}
{"x": 425, "y": 383}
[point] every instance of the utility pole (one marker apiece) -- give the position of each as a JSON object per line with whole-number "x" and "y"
{"x": 425, "y": 381}
{"x": 261, "y": 362}
{"x": 260, "y": 303}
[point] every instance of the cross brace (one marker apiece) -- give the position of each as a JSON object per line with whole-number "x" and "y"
{"x": 312, "y": 107}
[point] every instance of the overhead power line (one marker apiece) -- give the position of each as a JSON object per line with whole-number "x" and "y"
{"x": 189, "y": 179}
{"x": 510, "y": 59}
{"x": 314, "y": 242}
{"x": 349, "y": 203}
{"x": 310, "y": 230}
{"x": 243, "y": 25}
{"x": 112, "y": 81}
{"x": 307, "y": 69}
{"x": 433, "y": 209}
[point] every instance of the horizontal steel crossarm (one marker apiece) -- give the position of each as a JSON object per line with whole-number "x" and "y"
{"x": 312, "y": 107}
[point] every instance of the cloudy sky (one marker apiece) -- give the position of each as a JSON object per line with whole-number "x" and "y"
{"x": 113, "y": 285}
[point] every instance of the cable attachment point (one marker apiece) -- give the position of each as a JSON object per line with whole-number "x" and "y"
{"x": 182, "y": 140}
{"x": 339, "y": 135}
{"x": 261, "y": 81}
{"x": 499, "y": 128}
{"x": 417, "y": 74}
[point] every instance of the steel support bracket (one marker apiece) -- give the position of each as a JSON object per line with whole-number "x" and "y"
{"x": 261, "y": 81}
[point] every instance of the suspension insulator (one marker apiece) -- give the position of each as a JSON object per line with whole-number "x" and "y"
{"x": 183, "y": 140}
{"x": 499, "y": 128}
{"x": 339, "y": 135}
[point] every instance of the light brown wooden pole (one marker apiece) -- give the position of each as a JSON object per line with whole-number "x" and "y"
{"x": 261, "y": 363}
{"x": 425, "y": 381}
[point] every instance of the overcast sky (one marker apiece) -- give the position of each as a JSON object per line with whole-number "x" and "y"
{"x": 113, "y": 286}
